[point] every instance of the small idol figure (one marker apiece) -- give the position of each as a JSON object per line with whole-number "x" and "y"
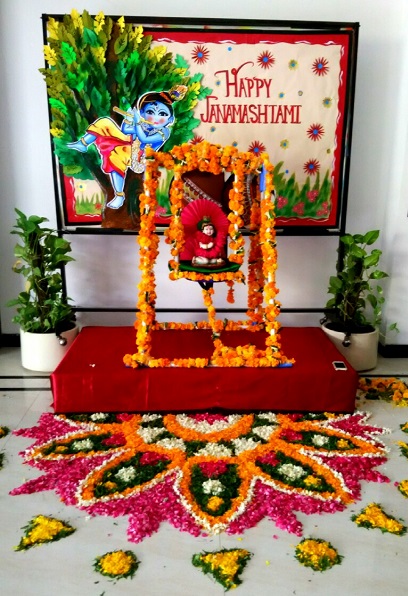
{"x": 148, "y": 124}
{"x": 208, "y": 247}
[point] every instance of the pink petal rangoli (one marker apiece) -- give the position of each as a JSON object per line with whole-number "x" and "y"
{"x": 204, "y": 473}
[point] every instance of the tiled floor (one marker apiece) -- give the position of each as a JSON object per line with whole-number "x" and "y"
{"x": 374, "y": 563}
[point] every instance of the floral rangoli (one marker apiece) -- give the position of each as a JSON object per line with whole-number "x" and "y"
{"x": 204, "y": 473}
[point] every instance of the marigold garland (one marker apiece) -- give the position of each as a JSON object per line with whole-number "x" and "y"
{"x": 389, "y": 389}
{"x": 42, "y": 529}
{"x": 318, "y": 554}
{"x": 117, "y": 564}
{"x": 262, "y": 264}
{"x": 374, "y": 516}
{"x": 225, "y": 565}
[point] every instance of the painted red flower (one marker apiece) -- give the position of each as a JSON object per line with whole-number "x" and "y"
{"x": 315, "y": 132}
{"x": 299, "y": 209}
{"x": 320, "y": 67}
{"x": 200, "y": 54}
{"x": 196, "y": 139}
{"x": 281, "y": 202}
{"x": 257, "y": 147}
{"x": 311, "y": 167}
{"x": 312, "y": 195}
{"x": 266, "y": 59}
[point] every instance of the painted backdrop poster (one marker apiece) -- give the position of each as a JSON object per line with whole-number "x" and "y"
{"x": 259, "y": 89}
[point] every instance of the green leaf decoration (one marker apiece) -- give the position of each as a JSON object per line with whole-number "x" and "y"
{"x": 42, "y": 529}
{"x": 225, "y": 565}
{"x": 68, "y": 53}
{"x": 90, "y": 38}
{"x": 56, "y": 104}
{"x": 121, "y": 43}
{"x": 318, "y": 554}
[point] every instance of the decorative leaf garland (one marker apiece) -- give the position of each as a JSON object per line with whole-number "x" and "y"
{"x": 373, "y": 516}
{"x": 225, "y": 565}
{"x": 42, "y": 529}
{"x": 117, "y": 564}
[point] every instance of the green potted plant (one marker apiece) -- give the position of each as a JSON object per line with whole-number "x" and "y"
{"x": 353, "y": 314}
{"x": 47, "y": 321}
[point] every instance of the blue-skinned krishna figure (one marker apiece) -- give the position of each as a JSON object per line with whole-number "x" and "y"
{"x": 148, "y": 124}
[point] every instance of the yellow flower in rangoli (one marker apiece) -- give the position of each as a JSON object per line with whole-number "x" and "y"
{"x": 373, "y": 516}
{"x": 117, "y": 564}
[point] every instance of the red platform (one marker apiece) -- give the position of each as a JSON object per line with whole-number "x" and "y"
{"x": 93, "y": 378}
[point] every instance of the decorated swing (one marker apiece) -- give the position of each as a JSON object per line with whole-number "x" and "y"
{"x": 224, "y": 230}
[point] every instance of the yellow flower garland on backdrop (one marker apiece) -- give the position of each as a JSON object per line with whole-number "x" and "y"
{"x": 262, "y": 261}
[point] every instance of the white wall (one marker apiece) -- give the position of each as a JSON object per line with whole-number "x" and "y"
{"x": 105, "y": 272}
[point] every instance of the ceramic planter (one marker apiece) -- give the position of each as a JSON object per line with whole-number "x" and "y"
{"x": 43, "y": 351}
{"x": 362, "y": 353}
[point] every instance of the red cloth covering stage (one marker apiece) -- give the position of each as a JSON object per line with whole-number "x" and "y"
{"x": 93, "y": 378}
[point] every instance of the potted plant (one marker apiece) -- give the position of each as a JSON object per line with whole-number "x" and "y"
{"x": 353, "y": 314}
{"x": 47, "y": 320}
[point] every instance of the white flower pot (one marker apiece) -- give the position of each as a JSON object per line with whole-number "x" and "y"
{"x": 43, "y": 351}
{"x": 362, "y": 353}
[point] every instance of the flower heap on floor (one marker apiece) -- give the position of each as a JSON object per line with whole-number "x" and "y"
{"x": 262, "y": 259}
